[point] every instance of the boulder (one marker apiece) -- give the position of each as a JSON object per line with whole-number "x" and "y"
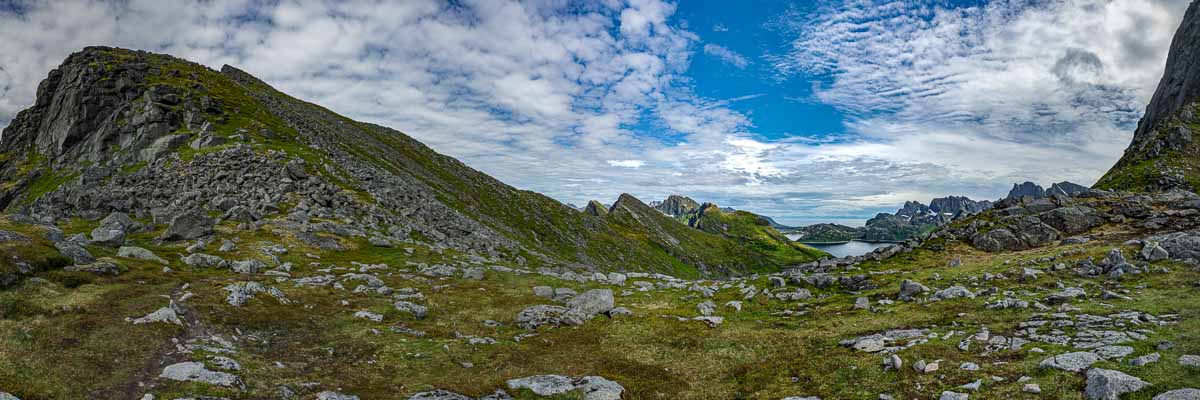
{"x": 196, "y": 372}
{"x": 330, "y": 395}
{"x": 189, "y": 225}
{"x": 139, "y": 253}
{"x": 540, "y": 315}
{"x": 592, "y": 302}
{"x": 1073, "y": 362}
{"x": 418, "y": 311}
{"x": 952, "y": 292}
{"x": 439, "y": 395}
{"x": 1179, "y": 394}
{"x": 1107, "y": 384}
{"x": 908, "y": 289}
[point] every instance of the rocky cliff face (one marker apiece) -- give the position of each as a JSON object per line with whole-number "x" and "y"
{"x": 676, "y": 205}
{"x": 1164, "y": 153}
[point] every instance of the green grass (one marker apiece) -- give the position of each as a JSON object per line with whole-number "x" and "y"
{"x": 753, "y": 355}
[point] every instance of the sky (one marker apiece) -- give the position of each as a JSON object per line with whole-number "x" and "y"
{"x": 808, "y": 112}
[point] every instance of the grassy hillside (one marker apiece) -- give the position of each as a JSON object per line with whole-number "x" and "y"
{"x": 752, "y": 231}
{"x": 384, "y": 169}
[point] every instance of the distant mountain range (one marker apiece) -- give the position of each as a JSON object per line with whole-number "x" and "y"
{"x": 915, "y": 218}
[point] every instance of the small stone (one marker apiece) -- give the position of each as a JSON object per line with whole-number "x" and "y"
{"x": 1189, "y": 360}
{"x": 328, "y": 395}
{"x": 1032, "y": 388}
{"x": 948, "y": 395}
{"x": 1145, "y": 360}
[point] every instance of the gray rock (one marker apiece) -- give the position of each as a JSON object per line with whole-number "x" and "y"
{"x": 241, "y": 292}
{"x": 1178, "y": 394}
{"x": 543, "y": 291}
{"x": 417, "y": 310}
{"x": 1065, "y": 295}
{"x": 439, "y": 395}
{"x": 139, "y": 253}
{"x": 369, "y": 315}
{"x": 476, "y": 273}
{"x": 165, "y": 314}
{"x": 202, "y": 260}
{"x": 543, "y": 385}
{"x": 1189, "y": 360}
{"x": 706, "y": 308}
{"x": 592, "y": 302}
{"x": 1151, "y": 251}
{"x": 112, "y": 230}
{"x": 540, "y": 315}
{"x": 189, "y": 225}
{"x": 98, "y": 268}
{"x": 1109, "y": 352}
{"x": 908, "y": 289}
{"x": 248, "y": 267}
{"x": 75, "y": 252}
{"x": 1145, "y": 360}
{"x": 1074, "y": 362}
{"x": 952, "y": 292}
{"x": 8, "y": 396}
{"x": 196, "y": 372}
{"x": 862, "y": 303}
{"x": 1107, "y": 384}
{"x": 948, "y": 395}
{"x": 329, "y": 395}
{"x": 598, "y": 388}
{"x": 712, "y": 322}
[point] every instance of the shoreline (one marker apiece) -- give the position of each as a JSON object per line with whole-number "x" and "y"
{"x": 855, "y": 240}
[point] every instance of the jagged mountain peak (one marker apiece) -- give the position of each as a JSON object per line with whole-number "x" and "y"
{"x": 1164, "y": 153}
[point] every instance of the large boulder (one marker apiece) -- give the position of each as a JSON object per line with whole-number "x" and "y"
{"x": 1074, "y": 362}
{"x": 112, "y": 230}
{"x": 1107, "y": 384}
{"x": 1179, "y": 394}
{"x": 540, "y": 315}
{"x": 189, "y": 225}
{"x": 1072, "y": 220}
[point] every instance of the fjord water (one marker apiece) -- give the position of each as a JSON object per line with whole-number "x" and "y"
{"x": 851, "y": 248}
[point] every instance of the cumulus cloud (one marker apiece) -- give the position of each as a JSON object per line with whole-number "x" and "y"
{"x": 588, "y": 101}
{"x": 1010, "y": 90}
{"x": 726, "y": 55}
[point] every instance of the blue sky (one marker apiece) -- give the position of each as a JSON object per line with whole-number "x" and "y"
{"x": 804, "y": 111}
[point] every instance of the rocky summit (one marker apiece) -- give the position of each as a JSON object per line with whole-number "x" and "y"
{"x": 175, "y": 232}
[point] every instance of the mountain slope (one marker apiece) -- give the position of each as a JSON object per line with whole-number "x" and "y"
{"x": 156, "y": 136}
{"x": 1164, "y": 153}
{"x": 752, "y": 231}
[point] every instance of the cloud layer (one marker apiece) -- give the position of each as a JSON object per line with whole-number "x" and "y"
{"x": 587, "y": 101}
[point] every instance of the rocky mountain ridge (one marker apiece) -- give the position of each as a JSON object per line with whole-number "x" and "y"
{"x": 1164, "y": 153}
{"x": 155, "y": 136}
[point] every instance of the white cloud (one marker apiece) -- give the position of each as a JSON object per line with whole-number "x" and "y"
{"x": 1009, "y": 90}
{"x": 551, "y": 97}
{"x": 635, "y": 164}
{"x": 726, "y": 55}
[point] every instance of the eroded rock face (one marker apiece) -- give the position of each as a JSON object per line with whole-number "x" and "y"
{"x": 1164, "y": 131}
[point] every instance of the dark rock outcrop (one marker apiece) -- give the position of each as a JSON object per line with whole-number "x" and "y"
{"x": 676, "y": 205}
{"x": 1030, "y": 189}
{"x": 1164, "y": 153}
